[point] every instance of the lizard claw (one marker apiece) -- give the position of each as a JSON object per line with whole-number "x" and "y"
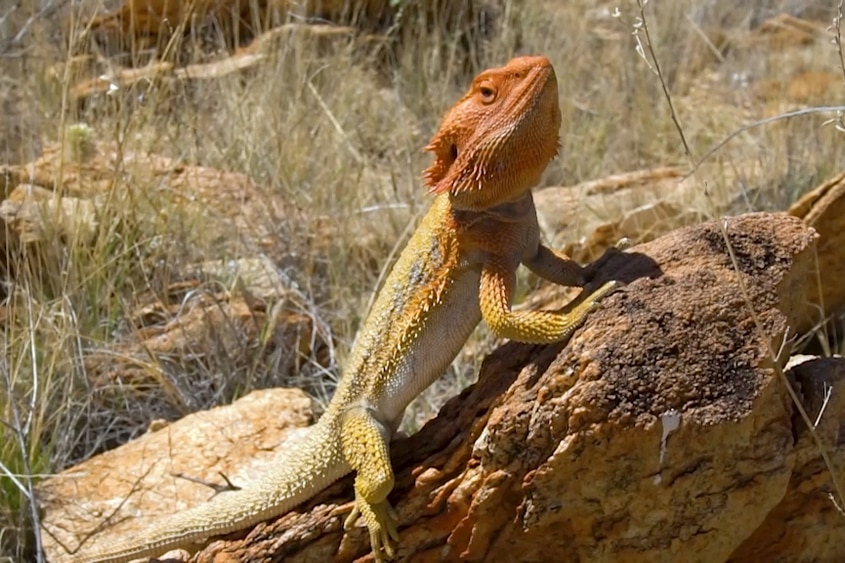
{"x": 606, "y": 289}
{"x": 592, "y": 269}
{"x": 594, "y": 300}
{"x": 380, "y": 519}
{"x": 349, "y": 523}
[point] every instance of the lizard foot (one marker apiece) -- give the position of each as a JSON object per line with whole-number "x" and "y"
{"x": 380, "y": 519}
{"x": 594, "y": 300}
{"x": 591, "y": 303}
{"x": 592, "y": 269}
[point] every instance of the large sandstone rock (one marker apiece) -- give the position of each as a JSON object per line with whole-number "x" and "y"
{"x": 807, "y": 525}
{"x": 663, "y": 431}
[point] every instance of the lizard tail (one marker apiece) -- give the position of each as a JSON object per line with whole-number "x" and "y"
{"x": 310, "y": 466}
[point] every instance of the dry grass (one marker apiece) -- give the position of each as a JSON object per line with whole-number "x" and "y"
{"x": 341, "y": 140}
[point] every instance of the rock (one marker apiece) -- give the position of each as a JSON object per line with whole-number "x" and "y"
{"x": 130, "y": 43}
{"x": 640, "y": 224}
{"x": 806, "y": 525}
{"x": 784, "y": 30}
{"x": 165, "y": 471}
{"x": 149, "y": 25}
{"x": 661, "y": 432}
{"x": 234, "y": 316}
{"x": 180, "y": 335}
{"x": 823, "y": 209}
{"x": 35, "y": 214}
{"x": 115, "y": 79}
{"x": 237, "y": 215}
{"x": 257, "y": 276}
{"x": 558, "y": 208}
{"x": 567, "y": 212}
{"x": 586, "y": 219}
{"x": 817, "y": 87}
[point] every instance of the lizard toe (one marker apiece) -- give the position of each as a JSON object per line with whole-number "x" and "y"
{"x": 380, "y": 519}
{"x": 349, "y": 523}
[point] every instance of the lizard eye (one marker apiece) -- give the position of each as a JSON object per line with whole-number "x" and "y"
{"x": 488, "y": 93}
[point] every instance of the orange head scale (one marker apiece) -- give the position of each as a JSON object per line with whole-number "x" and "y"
{"x": 496, "y": 141}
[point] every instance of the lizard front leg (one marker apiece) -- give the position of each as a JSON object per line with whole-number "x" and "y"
{"x": 556, "y": 267}
{"x": 364, "y": 442}
{"x": 498, "y": 280}
{"x": 559, "y": 268}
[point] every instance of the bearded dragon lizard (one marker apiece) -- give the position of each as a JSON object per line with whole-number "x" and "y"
{"x": 458, "y": 267}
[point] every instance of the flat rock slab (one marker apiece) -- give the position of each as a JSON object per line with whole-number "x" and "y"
{"x": 121, "y": 491}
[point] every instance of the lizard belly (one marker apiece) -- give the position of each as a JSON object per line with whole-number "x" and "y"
{"x": 448, "y": 326}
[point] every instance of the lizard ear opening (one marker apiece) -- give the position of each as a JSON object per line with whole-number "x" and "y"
{"x": 445, "y": 154}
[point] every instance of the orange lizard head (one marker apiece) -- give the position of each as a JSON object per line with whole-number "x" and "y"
{"x": 495, "y": 143}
